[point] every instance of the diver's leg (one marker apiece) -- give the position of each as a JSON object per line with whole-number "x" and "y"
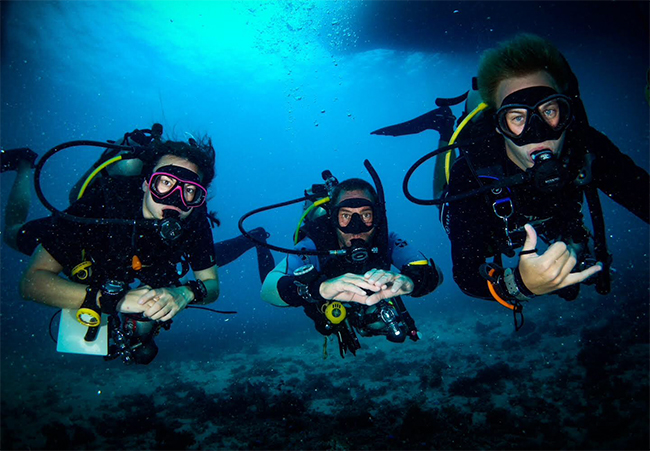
{"x": 265, "y": 262}
{"x": 18, "y": 204}
{"x": 230, "y": 250}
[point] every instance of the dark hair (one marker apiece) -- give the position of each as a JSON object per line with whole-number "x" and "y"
{"x": 353, "y": 185}
{"x": 523, "y": 55}
{"x": 202, "y": 154}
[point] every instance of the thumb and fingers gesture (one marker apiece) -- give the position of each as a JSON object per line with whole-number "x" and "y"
{"x": 551, "y": 270}
{"x": 348, "y": 287}
{"x": 389, "y": 285}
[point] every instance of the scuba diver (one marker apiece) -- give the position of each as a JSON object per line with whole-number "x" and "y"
{"x": 122, "y": 160}
{"x": 342, "y": 268}
{"x": 120, "y": 244}
{"x": 24, "y": 236}
{"x": 526, "y": 161}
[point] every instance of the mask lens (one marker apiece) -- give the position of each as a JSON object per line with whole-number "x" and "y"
{"x": 555, "y": 113}
{"x": 189, "y": 192}
{"x": 514, "y": 121}
{"x": 345, "y": 216}
{"x": 164, "y": 185}
{"x": 552, "y": 113}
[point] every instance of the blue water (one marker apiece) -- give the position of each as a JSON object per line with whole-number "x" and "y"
{"x": 287, "y": 90}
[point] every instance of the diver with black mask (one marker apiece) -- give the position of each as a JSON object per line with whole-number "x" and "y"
{"x": 342, "y": 270}
{"x": 121, "y": 245}
{"x": 525, "y": 164}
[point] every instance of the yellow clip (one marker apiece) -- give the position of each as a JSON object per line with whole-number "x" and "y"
{"x": 82, "y": 270}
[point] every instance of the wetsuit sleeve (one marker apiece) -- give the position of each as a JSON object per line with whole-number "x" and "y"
{"x": 469, "y": 223}
{"x": 201, "y": 251}
{"x": 286, "y": 287}
{"x": 402, "y": 253}
{"x": 66, "y": 239}
{"x": 425, "y": 276}
{"x": 32, "y": 233}
{"x": 619, "y": 177}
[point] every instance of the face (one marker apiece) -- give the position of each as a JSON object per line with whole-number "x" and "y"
{"x": 154, "y": 210}
{"x": 345, "y": 216}
{"x": 522, "y": 155}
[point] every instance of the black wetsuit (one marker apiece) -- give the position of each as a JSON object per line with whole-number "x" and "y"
{"x": 31, "y": 234}
{"x": 395, "y": 252}
{"x": 477, "y": 233}
{"x": 111, "y": 248}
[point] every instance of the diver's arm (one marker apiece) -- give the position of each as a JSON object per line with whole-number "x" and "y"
{"x": 619, "y": 177}
{"x": 550, "y": 271}
{"x": 210, "y": 279}
{"x": 278, "y": 287}
{"x": 162, "y": 304}
{"x": 470, "y": 233}
{"x": 468, "y": 254}
{"x": 270, "y": 291}
{"x": 41, "y": 283}
{"x": 423, "y": 272}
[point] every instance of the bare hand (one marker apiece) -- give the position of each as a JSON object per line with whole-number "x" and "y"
{"x": 550, "y": 271}
{"x": 390, "y": 284}
{"x": 163, "y": 303}
{"x": 129, "y": 303}
{"x": 347, "y": 288}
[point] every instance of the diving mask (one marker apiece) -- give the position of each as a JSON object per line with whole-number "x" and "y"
{"x": 534, "y": 115}
{"x": 354, "y": 222}
{"x": 177, "y": 187}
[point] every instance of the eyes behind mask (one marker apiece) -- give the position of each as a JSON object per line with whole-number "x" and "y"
{"x": 534, "y": 115}
{"x": 355, "y": 224}
{"x": 178, "y": 187}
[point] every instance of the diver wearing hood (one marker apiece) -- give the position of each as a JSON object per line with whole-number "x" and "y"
{"x": 541, "y": 134}
{"x": 125, "y": 268}
{"x": 359, "y": 291}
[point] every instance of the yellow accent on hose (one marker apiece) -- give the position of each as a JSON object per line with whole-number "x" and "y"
{"x": 419, "y": 263}
{"x": 462, "y": 125}
{"x": 95, "y": 172}
{"x": 316, "y": 204}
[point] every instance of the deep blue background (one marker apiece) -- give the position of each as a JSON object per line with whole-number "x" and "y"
{"x": 287, "y": 90}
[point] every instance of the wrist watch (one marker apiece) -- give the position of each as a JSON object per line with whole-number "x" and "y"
{"x": 112, "y": 292}
{"x": 512, "y": 287}
{"x": 304, "y": 276}
{"x": 197, "y": 287}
